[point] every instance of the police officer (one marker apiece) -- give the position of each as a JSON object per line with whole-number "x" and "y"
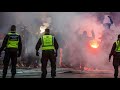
{"x": 49, "y": 48}
{"x": 12, "y": 45}
{"x": 115, "y": 51}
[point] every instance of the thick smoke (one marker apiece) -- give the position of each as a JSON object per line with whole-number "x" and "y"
{"x": 68, "y": 28}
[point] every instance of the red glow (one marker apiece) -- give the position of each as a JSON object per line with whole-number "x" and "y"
{"x": 61, "y": 52}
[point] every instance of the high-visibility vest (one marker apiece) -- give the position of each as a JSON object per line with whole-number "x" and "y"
{"x": 117, "y": 46}
{"x": 13, "y": 40}
{"x": 47, "y": 42}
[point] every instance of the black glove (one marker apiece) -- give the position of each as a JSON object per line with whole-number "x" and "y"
{"x": 18, "y": 55}
{"x": 0, "y": 54}
{"x": 109, "y": 58}
{"x": 55, "y": 54}
{"x": 37, "y": 53}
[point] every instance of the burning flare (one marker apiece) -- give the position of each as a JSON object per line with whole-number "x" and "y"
{"x": 94, "y": 44}
{"x": 43, "y": 27}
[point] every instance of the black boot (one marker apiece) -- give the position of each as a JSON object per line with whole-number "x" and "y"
{"x": 53, "y": 76}
{"x": 115, "y": 77}
{"x": 43, "y": 77}
{"x": 3, "y": 76}
{"x": 13, "y": 76}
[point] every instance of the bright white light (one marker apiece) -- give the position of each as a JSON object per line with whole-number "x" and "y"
{"x": 42, "y": 28}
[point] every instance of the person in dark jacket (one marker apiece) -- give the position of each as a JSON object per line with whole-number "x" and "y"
{"x": 115, "y": 52}
{"x": 49, "y": 48}
{"x": 107, "y": 22}
{"x": 12, "y": 46}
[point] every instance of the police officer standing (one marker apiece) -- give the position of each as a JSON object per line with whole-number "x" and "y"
{"x": 115, "y": 51}
{"x": 49, "y": 48}
{"x": 12, "y": 45}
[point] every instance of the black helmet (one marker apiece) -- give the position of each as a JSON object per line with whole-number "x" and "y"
{"x": 13, "y": 28}
{"x": 47, "y": 30}
{"x": 119, "y": 36}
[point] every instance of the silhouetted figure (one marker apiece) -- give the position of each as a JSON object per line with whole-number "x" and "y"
{"x": 115, "y": 51}
{"x": 84, "y": 42}
{"x": 107, "y": 22}
{"x": 49, "y": 47}
{"x": 12, "y": 45}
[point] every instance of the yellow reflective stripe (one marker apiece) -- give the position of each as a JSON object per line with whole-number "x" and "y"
{"x": 12, "y": 44}
{"x": 12, "y": 33}
{"x": 117, "y": 46}
{"x": 48, "y": 48}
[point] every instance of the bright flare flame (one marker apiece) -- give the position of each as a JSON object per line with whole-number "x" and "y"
{"x": 94, "y": 44}
{"x": 42, "y": 28}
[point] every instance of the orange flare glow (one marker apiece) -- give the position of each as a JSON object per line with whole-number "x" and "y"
{"x": 94, "y": 44}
